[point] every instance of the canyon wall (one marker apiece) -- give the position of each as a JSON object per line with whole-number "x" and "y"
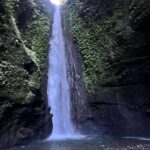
{"x": 25, "y": 28}
{"x": 112, "y": 37}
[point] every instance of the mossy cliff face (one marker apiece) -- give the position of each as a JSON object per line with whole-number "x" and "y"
{"x": 24, "y": 34}
{"x": 112, "y": 37}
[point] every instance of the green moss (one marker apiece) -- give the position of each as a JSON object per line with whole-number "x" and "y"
{"x": 9, "y": 74}
{"x": 22, "y": 46}
{"x": 36, "y": 34}
{"x": 97, "y": 47}
{"x": 106, "y": 38}
{"x": 29, "y": 97}
{"x": 8, "y": 4}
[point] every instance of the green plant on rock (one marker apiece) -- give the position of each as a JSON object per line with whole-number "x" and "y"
{"x": 96, "y": 42}
{"x": 36, "y": 35}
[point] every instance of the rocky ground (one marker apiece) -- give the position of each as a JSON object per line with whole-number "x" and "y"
{"x": 138, "y": 147}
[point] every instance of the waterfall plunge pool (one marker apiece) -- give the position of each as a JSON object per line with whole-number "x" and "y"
{"x": 90, "y": 143}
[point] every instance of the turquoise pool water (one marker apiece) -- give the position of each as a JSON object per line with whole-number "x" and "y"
{"x": 88, "y": 143}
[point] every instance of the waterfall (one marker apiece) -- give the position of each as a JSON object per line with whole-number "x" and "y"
{"x": 58, "y": 86}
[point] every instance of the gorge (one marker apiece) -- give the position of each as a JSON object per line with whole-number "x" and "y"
{"x": 98, "y": 64}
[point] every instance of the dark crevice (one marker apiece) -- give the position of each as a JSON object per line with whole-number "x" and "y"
{"x": 30, "y": 67}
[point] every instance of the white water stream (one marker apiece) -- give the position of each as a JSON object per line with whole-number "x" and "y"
{"x": 58, "y": 86}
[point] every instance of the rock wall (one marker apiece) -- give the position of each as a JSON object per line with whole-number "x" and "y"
{"x": 112, "y": 37}
{"x": 77, "y": 88}
{"x": 24, "y": 32}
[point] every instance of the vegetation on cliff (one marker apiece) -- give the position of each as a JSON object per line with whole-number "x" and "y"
{"x": 106, "y": 38}
{"x": 112, "y": 37}
{"x": 24, "y": 33}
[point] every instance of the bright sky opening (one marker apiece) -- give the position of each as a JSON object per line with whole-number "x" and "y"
{"x": 57, "y": 2}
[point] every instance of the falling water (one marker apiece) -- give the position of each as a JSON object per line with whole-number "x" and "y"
{"x": 58, "y": 87}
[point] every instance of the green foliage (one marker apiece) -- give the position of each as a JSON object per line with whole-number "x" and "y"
{"x": 9, "y": 74}
{"x": 97, "y": 45}
{"x": 8, "y": 4}
{"x": 22, "y": 46}
{"x": 36, "y": 35}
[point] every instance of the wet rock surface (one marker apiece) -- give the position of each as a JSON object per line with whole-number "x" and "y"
{"x": 113, "y": 40}
{"x": 125, "y": 112}
{"x": 24, "y": 113}
{"x": 77, "y": 88}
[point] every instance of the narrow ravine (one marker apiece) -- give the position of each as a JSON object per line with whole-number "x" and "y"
{"x": 58, "y": 87}
{"x": 93, "y": 93}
